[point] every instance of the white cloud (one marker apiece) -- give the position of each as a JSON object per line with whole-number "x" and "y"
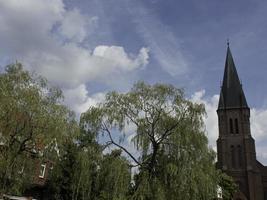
{"x": 257, "y": 119}
{"x": 75, "y": 26}
{"x": 259, "y": 123}
{"x": 210, "y": 120}
{"x": 26, "y": 25}
{"x": 73, "y": 65}
{"x": 31, "y": 35}
{"x": 79, "y": 99}
{"x": 117, "y": 56}
{"x": 47, "y": 37}
{"x": 30, "y": 13}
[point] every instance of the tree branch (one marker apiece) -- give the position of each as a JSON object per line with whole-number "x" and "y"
{"x": 121, "y": 147}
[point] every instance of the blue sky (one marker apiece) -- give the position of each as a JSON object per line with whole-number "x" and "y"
{"x": 189, "y": 37}
{"x": 89, "y": 47}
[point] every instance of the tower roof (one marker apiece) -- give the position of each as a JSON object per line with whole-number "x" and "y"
{"x": 232, "y": 95}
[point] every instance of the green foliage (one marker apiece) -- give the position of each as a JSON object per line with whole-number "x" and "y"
{"x": 229, "y": 188}
{"x": 175, "y": 161}
{"x": 83, "y": 173}
{"x": 32, "y": 119}
{"x": 172, "y": 158}
{"x": 31, "y": 116}
{"x": 114, "y": 177}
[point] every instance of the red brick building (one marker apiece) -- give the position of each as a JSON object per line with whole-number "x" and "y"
{"x": 235, "y": 145}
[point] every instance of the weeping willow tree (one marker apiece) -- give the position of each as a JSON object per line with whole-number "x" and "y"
{"x": 172, "y": 153}
{"x": 75, "y": 174}
{"x": 31, "y": 116}
{"x": 83, "y": 173}
{"x": 114, "y": 177}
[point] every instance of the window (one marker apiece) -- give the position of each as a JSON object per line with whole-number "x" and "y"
{"x": 239, "y": 150}
{"x": 236, "y": 126}
{"x": 42, "y": 171}
{"x": 231, "y": 126}
{"x": 233, "y": 156}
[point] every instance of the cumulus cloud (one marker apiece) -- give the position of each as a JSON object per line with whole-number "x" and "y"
{"x": 47, "y": 37}
{"x": 259, "y": 131}
{"x": 30, "y": 34}
{"x": 257, "y": 119}
{"x": 74, "y": 25}
{"x": 79, "y": 99}
{"x": 73, "y": 65}
{"x": 258, "y": 123}
{"x": 118, "y": 57}
{"x": 210, "y": 120}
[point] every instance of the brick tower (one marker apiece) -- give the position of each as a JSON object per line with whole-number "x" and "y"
{"x": 235, "y": 145}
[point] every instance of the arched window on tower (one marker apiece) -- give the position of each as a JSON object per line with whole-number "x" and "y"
{"x": 239, "y": 151}
{"x": 236, "y": 126}
{"x": 231, "y": 126}
{"x": 233, "y": 156}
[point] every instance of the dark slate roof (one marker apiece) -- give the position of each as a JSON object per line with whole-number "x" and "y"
{"x": 232, "y": 95}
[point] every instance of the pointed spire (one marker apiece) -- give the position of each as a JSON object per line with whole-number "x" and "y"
{"x": 232, "y": 95}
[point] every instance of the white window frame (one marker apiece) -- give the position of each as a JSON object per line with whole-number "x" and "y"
{"x": 42, "y": 171}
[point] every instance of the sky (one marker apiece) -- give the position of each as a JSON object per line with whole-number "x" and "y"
{"x": 90, "y": 47}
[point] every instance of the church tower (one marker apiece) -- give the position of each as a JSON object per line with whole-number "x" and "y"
{"x": 235, "y": 145}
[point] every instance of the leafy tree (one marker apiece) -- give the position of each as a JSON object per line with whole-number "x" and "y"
{"x": 31, "y": 116}
{"x": 114, "y": 177}
{"x": 83, "y": 172}
{"x": 229, "y": 188}
{"x": 174, "y": 160}
{"x": 75, "y": 174}
{"x": 62, "y": 177}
